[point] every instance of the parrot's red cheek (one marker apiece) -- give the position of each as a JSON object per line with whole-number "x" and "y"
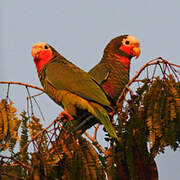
{"x": 126, "y": 49}
{"x": 42, "y": 58}
{"x": 46, "y": 55}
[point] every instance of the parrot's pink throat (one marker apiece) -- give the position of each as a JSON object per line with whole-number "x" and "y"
{"x": 43, "y": 57}
{"x": 125, "y": 61}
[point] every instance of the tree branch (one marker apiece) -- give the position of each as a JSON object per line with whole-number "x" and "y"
{"x": 22, "y": 84}
{"x": 10, "y": 175}
{"x": 155, "y": 61}
{"x": 19, "y": 162}
{"x": 96, "y": 144}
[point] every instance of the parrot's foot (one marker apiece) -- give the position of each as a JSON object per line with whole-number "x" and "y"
{"x": 65, "y": 115}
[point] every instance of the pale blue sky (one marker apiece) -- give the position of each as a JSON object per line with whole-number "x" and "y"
{"x": 79, "y": 30}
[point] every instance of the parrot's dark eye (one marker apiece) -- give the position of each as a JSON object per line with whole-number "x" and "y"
{"x": 127, "y": 42}
{"x": 46, "y": 47}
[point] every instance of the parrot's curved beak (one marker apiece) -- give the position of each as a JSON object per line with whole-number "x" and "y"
{"x": 136, "y": 51}
{"x": 34, "y": 52}
{"x": 135, "y": 45}
{"x": 36, "y": 49}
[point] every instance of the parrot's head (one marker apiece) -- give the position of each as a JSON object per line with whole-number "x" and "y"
{"x": 126, "y": 45}
{"x": 42, "y": 53}
{"x": 123, "y": 48}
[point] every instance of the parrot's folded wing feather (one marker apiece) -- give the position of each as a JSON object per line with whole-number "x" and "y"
{"x": 100, "y": 73}
{"x": 64, "y": 75}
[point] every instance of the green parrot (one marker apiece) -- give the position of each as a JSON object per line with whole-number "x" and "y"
{"x": 112, "y": 72}
{"x": 70, "y": 87}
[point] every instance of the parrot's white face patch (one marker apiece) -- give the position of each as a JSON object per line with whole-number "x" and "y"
{"x": 131, "y": 40}
{"x": 38, "y": 47}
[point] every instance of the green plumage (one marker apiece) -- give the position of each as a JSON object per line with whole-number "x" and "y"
{"x": 112, "y": 76}
{"x": 75, "y": 90}
{"x": 112, "y": 72}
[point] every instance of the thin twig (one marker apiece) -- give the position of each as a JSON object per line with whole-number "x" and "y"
{"x": 96, "y": 144}
{"x": 174, "y": 72}
{"x": 147, "y": 73}
{"x": 30, "y": 100}
{"x": 7, "y": 96}
{"x": 161, "y": 69}
{"x": 40, "y": 132}
{"x": 38, "y": 107}
{"x": 154, "y": 71}
{"x": 169, "y": 71}
{"x": 172, "y": 64}
{"x": 95, "y": 132}
{"x": 36, "y": 95}
{"x": 28, "y": 107}
{"x": 22, "y": 84}
{"x": 10, "y": 165}
{"x": 10, "y": 175}
{"x": 21, "y": 163}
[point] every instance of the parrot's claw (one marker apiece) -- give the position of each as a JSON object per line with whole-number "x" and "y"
{"x": 65, "y": 115}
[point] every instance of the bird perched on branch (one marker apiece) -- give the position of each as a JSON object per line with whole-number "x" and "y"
{"x": 70, "y": 87}
{"x": 112, "y": 72}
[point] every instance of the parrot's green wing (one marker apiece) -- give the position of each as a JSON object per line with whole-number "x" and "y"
{"x": 63, "y": 75}
{"x": 100, "y": 73}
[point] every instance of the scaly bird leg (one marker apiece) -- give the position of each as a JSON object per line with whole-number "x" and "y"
{"x": 64, "y": 116}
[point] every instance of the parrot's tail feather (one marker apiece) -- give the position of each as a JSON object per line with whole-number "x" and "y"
{"x": 103, "y": 116}
{"x": 89, "y": 117}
